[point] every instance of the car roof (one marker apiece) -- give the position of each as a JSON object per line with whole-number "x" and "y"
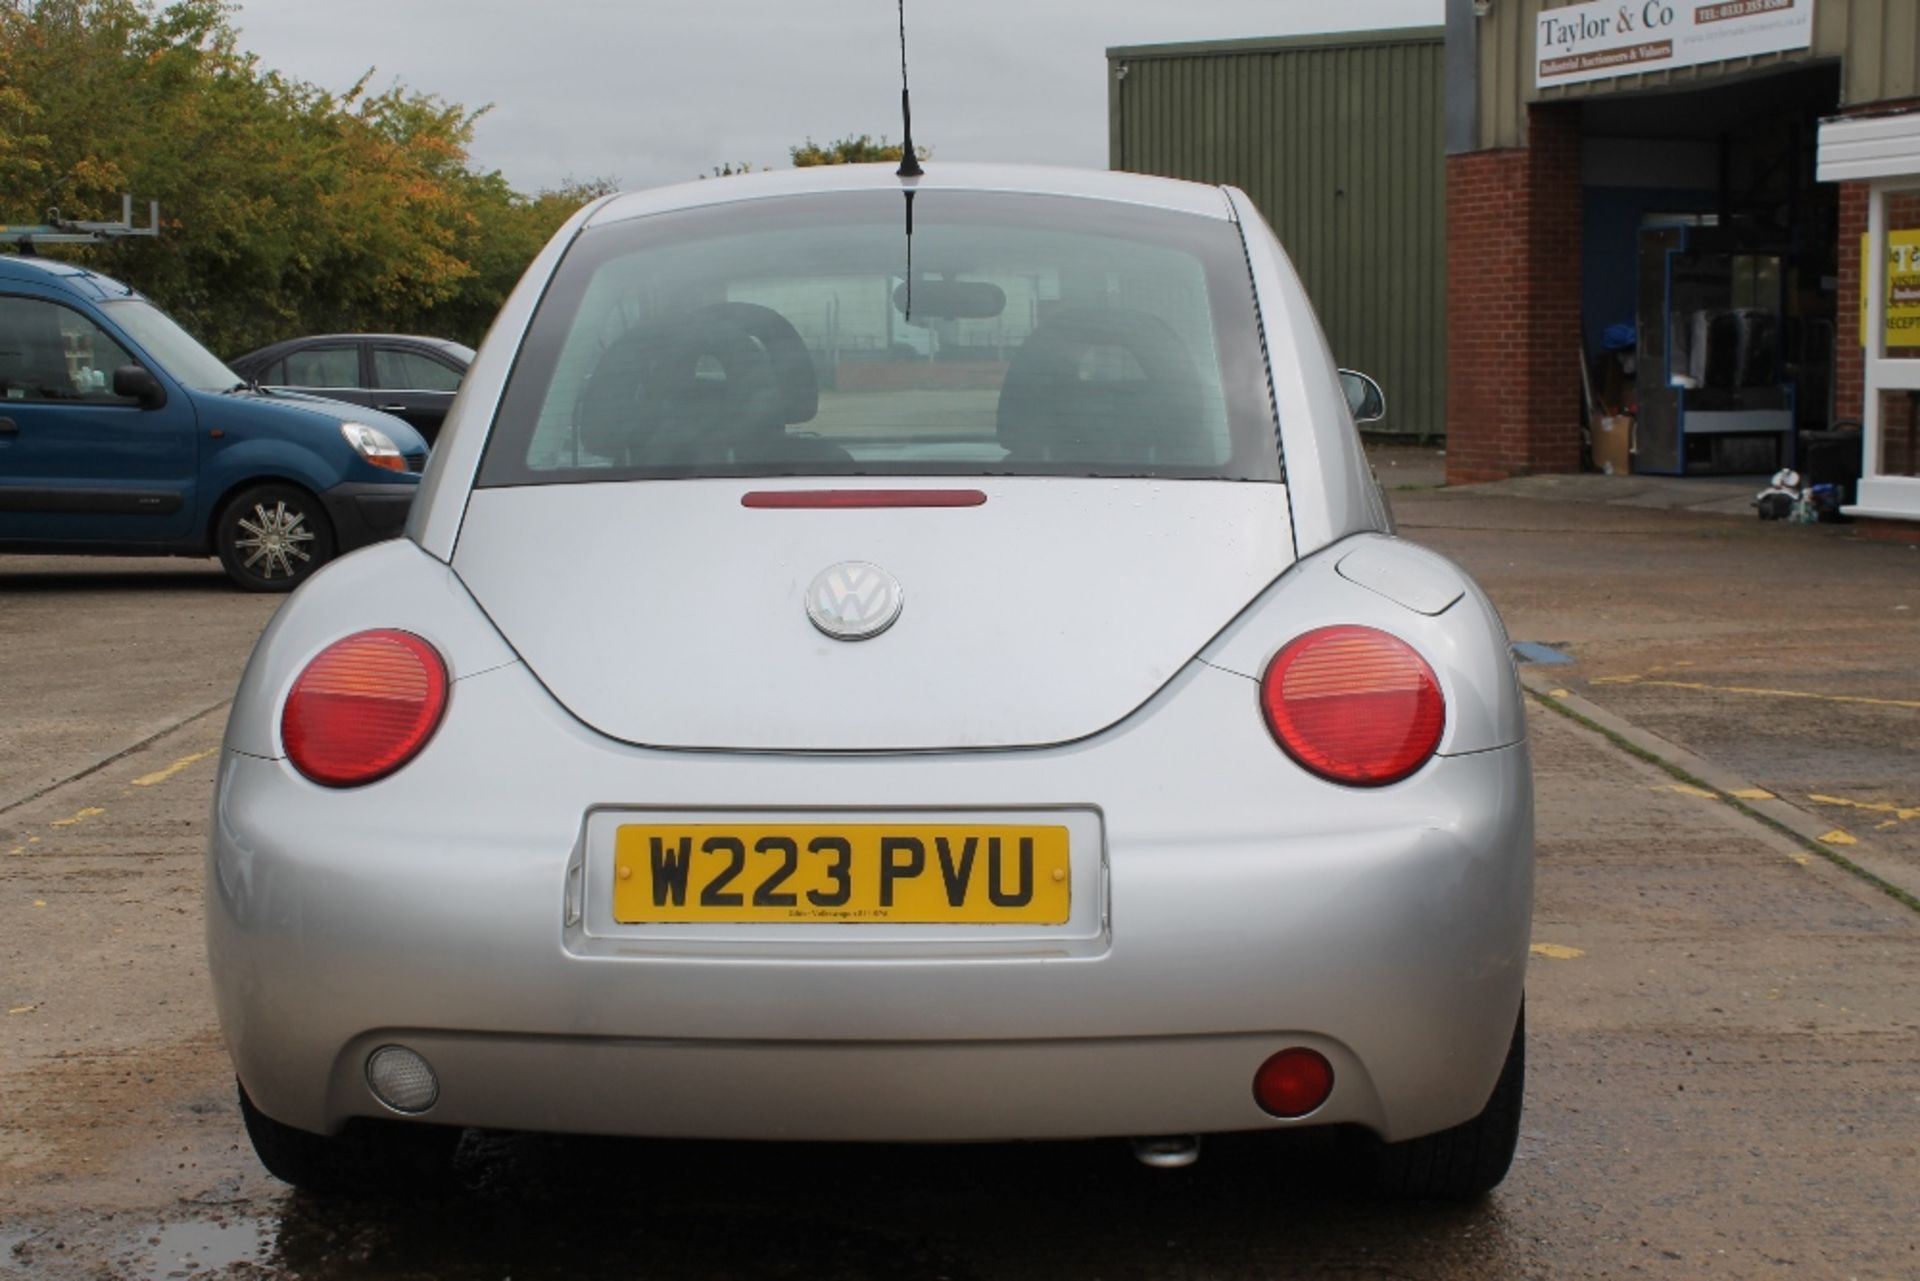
{"x": 1091, "y": 184}
{"x": 446, "y": 346}
{"x": 312, "y": 338}
{"x": 66, "y": 275}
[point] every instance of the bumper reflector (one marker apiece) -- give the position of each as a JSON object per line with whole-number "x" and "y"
{"x": 402, "y": 1079}
{"x": 1293, "y": 1082}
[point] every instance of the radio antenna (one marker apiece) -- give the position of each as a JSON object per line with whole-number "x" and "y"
{"x": 909, "y": 162}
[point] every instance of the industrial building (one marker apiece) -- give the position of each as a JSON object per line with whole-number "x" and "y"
{"x": 1674, "y": 193}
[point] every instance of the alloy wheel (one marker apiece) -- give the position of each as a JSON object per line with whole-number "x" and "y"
{"x": 273, "y": 539}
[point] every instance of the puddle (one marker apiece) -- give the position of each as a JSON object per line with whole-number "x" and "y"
{"x": 10, "y": 1241}
{"x": 1535, "y": 652}
{"x": 181, "y": 1251}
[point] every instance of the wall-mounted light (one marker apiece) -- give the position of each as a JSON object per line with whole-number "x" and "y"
{"x": 1481, "y": 8}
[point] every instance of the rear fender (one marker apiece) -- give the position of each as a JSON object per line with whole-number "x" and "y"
{"x": 390, "y": 584}
{"x": 1424, "y": 599}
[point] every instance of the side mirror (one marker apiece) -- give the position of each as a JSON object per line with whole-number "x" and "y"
{"x": 136, "y": 382}
{"x": 1364, "y": 397}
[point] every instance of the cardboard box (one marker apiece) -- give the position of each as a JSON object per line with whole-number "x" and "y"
{"x": 1613, "y": 445}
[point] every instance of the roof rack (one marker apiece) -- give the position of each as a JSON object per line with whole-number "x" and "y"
{"x": 71, "y": 231}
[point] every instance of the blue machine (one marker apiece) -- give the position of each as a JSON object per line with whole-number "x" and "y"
{"x": 1715, "y": 395}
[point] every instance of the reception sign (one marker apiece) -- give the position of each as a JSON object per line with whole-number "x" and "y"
{"x": 1903, "y": 288}
{"x": 1607, "y": 38}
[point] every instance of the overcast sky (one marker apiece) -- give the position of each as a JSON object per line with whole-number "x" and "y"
{"x": 650, "y": 93}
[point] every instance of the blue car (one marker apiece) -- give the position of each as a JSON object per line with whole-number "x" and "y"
{"x": 122, "y": 435}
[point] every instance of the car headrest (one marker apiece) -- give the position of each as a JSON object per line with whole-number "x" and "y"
{"x": 787, "y": 352}
{"x": 1106, "y": 385}
{"x": 673, "y": 389}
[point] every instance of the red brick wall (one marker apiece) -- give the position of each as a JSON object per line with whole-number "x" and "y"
{"x": 1849, "y": 360}
{"x": 1899, "y": 446}
{"x": 1513, "y": 304}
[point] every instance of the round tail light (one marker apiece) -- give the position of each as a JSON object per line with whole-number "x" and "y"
{"x": 1353, "y": 705}
{"x": 364, "y": 707}
{"x": 1293, "y": 1082}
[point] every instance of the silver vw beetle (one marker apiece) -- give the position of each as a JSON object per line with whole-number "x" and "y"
{"x": 885, "y": 659}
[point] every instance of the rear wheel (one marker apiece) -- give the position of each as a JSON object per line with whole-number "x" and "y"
{"x": 1464, "y": 1162}
{"x": 271, "y": 537}
{"x": 367, "y": 1158}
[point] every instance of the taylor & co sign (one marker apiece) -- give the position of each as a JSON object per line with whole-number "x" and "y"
{"x": 1607, "y": 38}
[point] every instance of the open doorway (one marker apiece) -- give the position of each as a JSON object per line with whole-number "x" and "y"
{"x": 1710, "y": 271}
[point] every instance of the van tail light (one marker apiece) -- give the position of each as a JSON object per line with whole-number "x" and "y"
{"x": 1353, "y": 705}
{"x": 364, "y": 707}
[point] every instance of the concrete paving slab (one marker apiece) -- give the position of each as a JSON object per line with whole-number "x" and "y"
{"x": 1819, "y": 834}
{"x": 103, "y": 654}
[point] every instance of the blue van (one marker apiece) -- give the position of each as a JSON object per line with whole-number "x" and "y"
{"x": 121, "y": 435}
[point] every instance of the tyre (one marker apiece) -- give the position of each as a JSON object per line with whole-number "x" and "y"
{"x": 367, "y": 1158}
{"x": 1464, "y": 1162}
{"x": 271, "y": 537}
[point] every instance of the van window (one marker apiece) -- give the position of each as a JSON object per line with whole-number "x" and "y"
{"x": 179, "y": 352}
{"x": 53, "y": 353}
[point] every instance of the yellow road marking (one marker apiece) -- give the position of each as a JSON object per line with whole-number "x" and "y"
{"x": 1838, "y": 837}
{"x": 23, "y": 1009}
{"x": 39, "y": 902}
{"x": 162, "y": 775}
{"x": 92, "y": 811}
{"x": 1558, "y": 951}
{"x": 1687, "y": 789}
{"x": 1753, "y": 794}
{"x": 1561, "y": 693}
{"x": 1760, "y": 692}
{"x": 1802, "y": 858}
{"x": 1900, "y": 812}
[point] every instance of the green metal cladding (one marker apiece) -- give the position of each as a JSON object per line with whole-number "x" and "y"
{"x": 1339, "y": 140}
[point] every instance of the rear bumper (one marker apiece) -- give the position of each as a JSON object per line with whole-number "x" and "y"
{"x": 915, "y": 1091}
{"x": 1244, "y": 909}
{"x": 367, "y": 512}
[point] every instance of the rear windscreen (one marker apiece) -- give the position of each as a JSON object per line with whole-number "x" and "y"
{"x": 815, "y": 336}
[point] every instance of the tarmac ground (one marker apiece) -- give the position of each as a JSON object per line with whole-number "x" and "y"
{"x": 1724, "y": 1067}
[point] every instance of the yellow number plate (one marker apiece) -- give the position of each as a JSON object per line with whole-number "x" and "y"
{"x": 899, "y": 873}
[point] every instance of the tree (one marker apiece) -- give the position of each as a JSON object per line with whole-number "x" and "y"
{"x": 851, "y": 151}
{"x": 286, "y": 208}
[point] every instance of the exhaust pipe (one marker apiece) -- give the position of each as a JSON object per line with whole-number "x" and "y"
{"x": 1167, "y": 1151}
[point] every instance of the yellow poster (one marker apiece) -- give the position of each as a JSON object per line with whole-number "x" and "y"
{"x": 1903, "y": 289}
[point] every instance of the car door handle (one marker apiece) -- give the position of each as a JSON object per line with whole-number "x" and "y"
{"x": 391, "y": 409}
{"x": 8, "y": 427}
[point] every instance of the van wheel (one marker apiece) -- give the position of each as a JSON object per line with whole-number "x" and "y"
{"x": 270, "y": 537}
{"x": 1464, "y": 1162}
{"x": 367, "y": 1158}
